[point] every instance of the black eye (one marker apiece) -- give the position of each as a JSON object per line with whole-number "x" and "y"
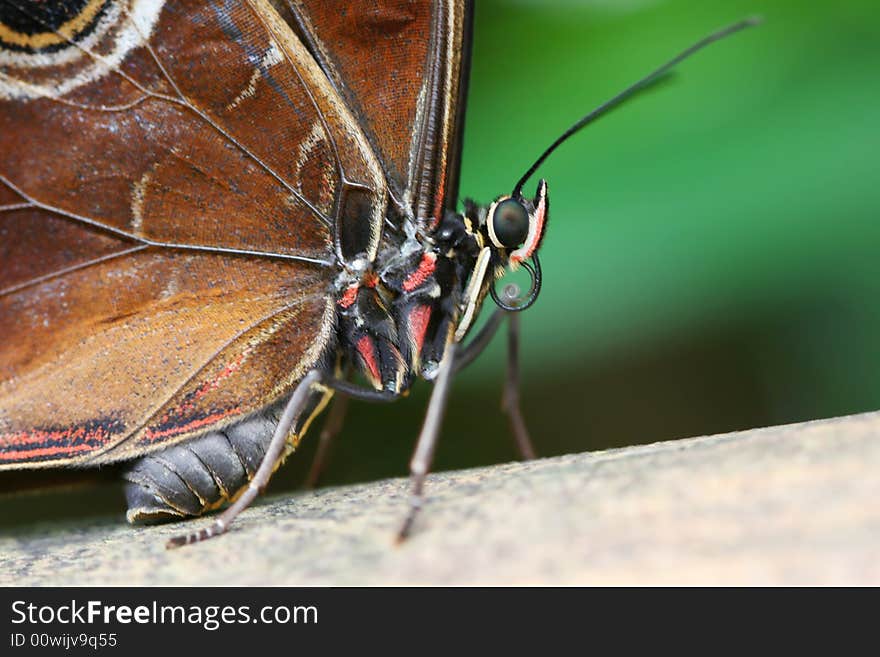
{"x": 510, "y": 223}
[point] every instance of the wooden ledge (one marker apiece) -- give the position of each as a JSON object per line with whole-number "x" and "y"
{"x": 797, "y": 504}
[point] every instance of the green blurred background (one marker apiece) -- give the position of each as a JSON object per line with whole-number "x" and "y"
{"x": 711, "y": 258}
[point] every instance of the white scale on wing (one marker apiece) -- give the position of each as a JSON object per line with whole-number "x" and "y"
{"x": 272, "y": 57}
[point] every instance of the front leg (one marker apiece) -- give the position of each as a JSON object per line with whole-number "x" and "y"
{"x": 510, "y": 402}
{"x": 424, "y": 452}
{"x": 298, "y": 402}
{"x": 332, "y": 427}
{"x": 292, "y": 411}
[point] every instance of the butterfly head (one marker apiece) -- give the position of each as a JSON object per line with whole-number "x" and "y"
{"x": 513, "y": 227}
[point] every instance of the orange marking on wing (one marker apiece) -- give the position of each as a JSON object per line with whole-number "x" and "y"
{"x": 44, "y": 451}
{"x": 225, "y": 373}
{"x": 153, "y": 435}
{"x": 367, "y": 350}
{"x": 39, "y": 436}
{"x": 422, "y": 273}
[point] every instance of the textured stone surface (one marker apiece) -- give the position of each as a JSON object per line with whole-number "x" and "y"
{"x": 785, "y": 505}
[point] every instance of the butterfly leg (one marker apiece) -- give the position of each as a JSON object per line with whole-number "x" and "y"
{"x": 510, "y": 402}
{"x": 197, "y": 475}
{"x": 424, "y": 452}
{"x": 468, "y": 353}
{"x": 297, "y": 403}
{"x": 332, "y": 427}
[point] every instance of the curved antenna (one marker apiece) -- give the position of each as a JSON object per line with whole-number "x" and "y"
{"x": 646, "y": 82}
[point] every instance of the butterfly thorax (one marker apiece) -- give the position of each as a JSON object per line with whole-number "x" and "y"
{"x": 397, "y": 314}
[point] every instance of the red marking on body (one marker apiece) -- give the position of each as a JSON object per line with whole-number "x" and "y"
{"x": 371, "y": 279}
{"x": 426, "y": 267}
{"x": 367, "y": 350}
{"x": 419, "y": 317}
{"x": 349, "y": 296}
{"x": 153, "y": 435}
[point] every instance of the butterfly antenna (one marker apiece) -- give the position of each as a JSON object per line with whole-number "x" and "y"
{"x": 646, "y": 82}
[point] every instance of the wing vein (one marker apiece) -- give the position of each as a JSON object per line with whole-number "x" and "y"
{"x": 99, "y": 454}
{"x": 147, "y": 242}
{"x": 72, "y": 268}
{"x": 184, "y": 102}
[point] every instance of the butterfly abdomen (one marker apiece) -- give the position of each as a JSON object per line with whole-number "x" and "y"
{"x": 197, "y": 475}
{"x": 204, "y": 473}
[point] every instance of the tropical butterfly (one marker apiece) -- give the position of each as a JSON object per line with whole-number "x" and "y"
{"x": 215, "y": 214}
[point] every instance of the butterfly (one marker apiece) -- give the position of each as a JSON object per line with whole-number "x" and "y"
{"x": 215, "y": 215}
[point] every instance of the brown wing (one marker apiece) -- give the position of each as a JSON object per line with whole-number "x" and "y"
{"x": 170, "y": 175}
{"x": 151, "y": 348}
{"x": 219, "y": 131}
{"x": 401, "y": 66}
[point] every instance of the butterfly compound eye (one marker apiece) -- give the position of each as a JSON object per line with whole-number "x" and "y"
{"x": 509, "y": 225}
